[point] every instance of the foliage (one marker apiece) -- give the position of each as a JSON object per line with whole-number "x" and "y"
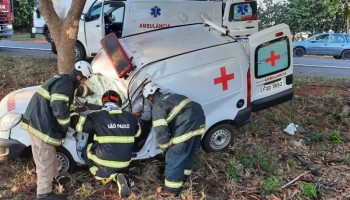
{"x": 233, "y": 169}
{"x": 271, "y": 184}
{"x": 335, "y": 137}
{"x": 23, "y": 12}
{"x": 310, "y": 16}
{"x": 309, "y": 190}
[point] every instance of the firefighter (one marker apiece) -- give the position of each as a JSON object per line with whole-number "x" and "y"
{"x": 142, "y": 110}
{"x": 114, "y": 132}
{"x": 47, "y": 119}
{"x": 179, "y": 124}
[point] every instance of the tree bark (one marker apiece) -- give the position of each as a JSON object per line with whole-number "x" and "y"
{"x": 63, "y": 31}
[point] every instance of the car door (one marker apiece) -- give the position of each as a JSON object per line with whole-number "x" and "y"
{"x": 94, "y": 27}
{"x": 270, "y": 77}
{"x": 318, "y": 46}
{"x": 335, "y": 45}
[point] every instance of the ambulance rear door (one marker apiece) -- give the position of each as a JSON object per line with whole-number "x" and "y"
{"x": 270, "y": 77}
{"x": 240, "y": 16}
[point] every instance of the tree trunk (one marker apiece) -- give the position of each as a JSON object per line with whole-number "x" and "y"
{"x": 63, "y": 31}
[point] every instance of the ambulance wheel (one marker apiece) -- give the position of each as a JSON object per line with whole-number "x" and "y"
{"x": 47, "y": 35}
{"x": 65, "y": 161}
{"x": 79, "y": 51}
{"x": 218, "y": 138}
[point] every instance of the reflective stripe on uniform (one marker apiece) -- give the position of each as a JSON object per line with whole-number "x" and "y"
{"x": 177, "y": 109}
{"x": 106, "y": 163}
{"x": 171, "y": 184}
{"x": 160, "y": 122}
{"x": 165, "y": 145}
{"x": 93, "y": 170}
{"x": 80, "y": 124}
{"x": 186, "y": 136}
{"x": 44, "y": 93}
{"x": 138, "y": 131}
{"x": 59, "y": 97}
{"x": 45, "y": 138}
{"x": 113, "y": 112}
{"x": 63, "y": 121}
{"x": 187, "y": 172}
{"x": 114, "y": 139}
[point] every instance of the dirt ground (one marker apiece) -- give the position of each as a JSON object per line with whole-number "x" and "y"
{"x": 264, "y": 162}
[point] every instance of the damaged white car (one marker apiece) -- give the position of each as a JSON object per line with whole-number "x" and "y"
{"x": 202, "y": 61}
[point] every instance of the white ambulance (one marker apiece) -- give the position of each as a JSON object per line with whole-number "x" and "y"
{"x": 201, "y": 61}
{"x": 101, "y": 17}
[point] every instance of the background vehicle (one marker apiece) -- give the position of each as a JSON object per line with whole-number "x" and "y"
{"x": 202, "y": 62}
{"x": 6, "y": 18}
{"x": 101, "y": 17}
{"x": 330, "y": 44}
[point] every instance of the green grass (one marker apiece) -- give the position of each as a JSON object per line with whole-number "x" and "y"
{"x": 26, "y": 36}
{"x": 271, "y": 184}
{"x": 309, "y": 190}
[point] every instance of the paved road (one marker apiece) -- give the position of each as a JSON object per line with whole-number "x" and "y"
{"x": 321, "y": 66}
{"x": 38, "y": 49}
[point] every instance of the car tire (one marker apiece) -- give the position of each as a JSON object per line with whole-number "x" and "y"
{"x": 47, "y": 35}
{"x": 337, "y": 57}
{"x": 345, "y": 55}
{"x": 79, "y": 51}
{"x": 218, "y": 137}
{"x": 66, "y": 163}
{"x": 299, "y": 52}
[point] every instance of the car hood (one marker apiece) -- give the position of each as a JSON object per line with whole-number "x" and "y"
{"x": 17, "y": 101}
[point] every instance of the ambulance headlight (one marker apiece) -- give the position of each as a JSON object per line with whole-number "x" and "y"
{"x": 9, "y": 26}
{"x": 9, "y": 120}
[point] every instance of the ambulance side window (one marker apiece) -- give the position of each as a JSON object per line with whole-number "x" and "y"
{"x": 243, "y": 11}
{"x": 94, "y": 12}
{"x": 272, "y": 57}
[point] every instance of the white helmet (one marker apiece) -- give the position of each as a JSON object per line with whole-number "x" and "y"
{"x": 150, "y": 88}
{"x": 84, "y": 67}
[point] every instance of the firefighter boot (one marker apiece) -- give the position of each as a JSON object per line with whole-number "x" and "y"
{"x": 50, "y": 196}
{"x": 123, "y": 187}
{"x": 162, "y": 194}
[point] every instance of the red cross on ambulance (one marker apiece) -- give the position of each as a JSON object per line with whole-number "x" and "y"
{"x": 273, "y": 58}
{"x": 224, "y": 78}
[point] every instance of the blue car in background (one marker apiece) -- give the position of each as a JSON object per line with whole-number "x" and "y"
{"x": 330, "y": 44}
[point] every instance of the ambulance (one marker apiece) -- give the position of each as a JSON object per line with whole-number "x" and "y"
{"x": 202, "y": 61}
{"x": 101, "y": 17}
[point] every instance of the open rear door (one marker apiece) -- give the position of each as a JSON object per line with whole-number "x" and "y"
{"x": 271, "y": 69}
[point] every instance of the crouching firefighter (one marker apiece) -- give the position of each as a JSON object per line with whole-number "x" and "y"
{"x": 114, "y": 132}
{"x": 179, "y": 124}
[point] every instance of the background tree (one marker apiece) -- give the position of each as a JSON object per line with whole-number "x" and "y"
{"x": 63, "y": 31}
{"x": 23, "y": 12}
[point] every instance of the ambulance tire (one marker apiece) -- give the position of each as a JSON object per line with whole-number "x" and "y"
{"x": 66, "y": 163}
{"x": 47, "y": 35}
{"x": 79, "y": 51}
{"x": 218, "y": 138}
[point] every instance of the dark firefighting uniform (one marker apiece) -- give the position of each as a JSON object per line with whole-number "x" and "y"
{"x": 114, "y": 136}
{"x": 179, "y": 124}
{"x": 47, "y": 119}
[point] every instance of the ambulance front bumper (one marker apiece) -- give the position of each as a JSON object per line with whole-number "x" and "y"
{"x": 10, "y": 149}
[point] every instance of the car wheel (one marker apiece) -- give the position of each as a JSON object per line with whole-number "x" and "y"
{"x": 337, "y": 57}
{"x": 79, "y": 51}
{"x": 299, "y": 52}
{"x": 65, "y": 161}
{"x": 47, "y": 35}
{"x": 345, "y": 55}
{"x": 218, "y": 138}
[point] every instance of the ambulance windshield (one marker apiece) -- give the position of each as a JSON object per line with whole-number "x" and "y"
{"x": 116, "y": 55}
